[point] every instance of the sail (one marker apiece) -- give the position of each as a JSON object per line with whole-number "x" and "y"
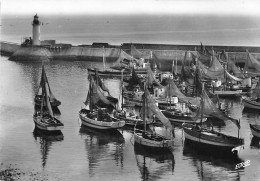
{"x": 210, "y": 109}
{"x": 134, "y": 80}
{"x": 122, "y": 56}
{"x": 151, "y": 79}
{"x": 154, "y": 110}
{"x": 172, "y": 90}
{"x": 231, "y": 67}
{"x": 187, "y": 71}
{"x": 100, "y": 83}
{"x": 46, "y": 100}
{"x": 48, "y": 105}
{"x": 252, "y": 64}
{"x": 207, "y": 73}
{"x": 48, "y": 89}
{"x": 235, "y": 78}
{"x": 205, "y": 59}
{"x": 216, "y": 66}
{"x": 138, "y": 54}
{"x": 97, "y": 97}
{"x": 155, "y": 61}
{"x": 256, "y": 91}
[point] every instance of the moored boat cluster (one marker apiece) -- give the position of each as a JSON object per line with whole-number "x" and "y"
{"x": 187, "y": 98}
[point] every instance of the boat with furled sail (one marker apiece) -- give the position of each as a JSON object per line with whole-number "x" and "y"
{"x": 43, "y": 117}
{"x": 39, "y": 96}
{"x": 150, "y": 139}
{"x": 210, "y": 138}
{"x": 98, "y": 107}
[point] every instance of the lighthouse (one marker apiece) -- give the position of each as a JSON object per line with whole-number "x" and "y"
{"x": 36, "y": 31}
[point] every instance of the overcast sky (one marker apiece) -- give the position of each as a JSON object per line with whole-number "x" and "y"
{"x": 208, "y": 7}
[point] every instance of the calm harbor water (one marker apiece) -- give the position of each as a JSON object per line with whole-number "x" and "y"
{"x": 84, "y": 154}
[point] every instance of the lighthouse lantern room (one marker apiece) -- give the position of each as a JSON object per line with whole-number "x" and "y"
{"x": 36, "y": 31}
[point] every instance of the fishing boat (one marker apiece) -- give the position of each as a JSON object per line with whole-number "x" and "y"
{"x": 110, "y": 72}
{"x": 228, "y": 93}
{"x": 255, "y": 129}
{"x": 182, "y": 117}
{"x": 150, "y": 139}
{"x": 95, "y": 116}
{"x": 209, "y": 138}
{"x": 253, "y": 102}
{"x": 39, "y": 96}
{"x": 43, "y": 117}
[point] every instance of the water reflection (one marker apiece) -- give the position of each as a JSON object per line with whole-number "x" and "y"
{"x": 46, "y": 139}
{"x": 212, "y": 166}
{"x": 153, "y": 166}
{"x": 102, "y": 146}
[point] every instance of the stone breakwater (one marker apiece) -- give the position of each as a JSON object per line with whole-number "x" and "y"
{"x": 164, "y": 53}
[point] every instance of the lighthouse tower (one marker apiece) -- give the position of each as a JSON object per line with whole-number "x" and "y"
{"x": 36, "y": 31}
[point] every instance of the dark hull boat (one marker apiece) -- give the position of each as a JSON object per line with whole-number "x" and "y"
{"x": 177, "y": 117}
{"x": 251, "y": 103}
{"x": 43, "y": 117}
{"x": 210, "y": 139}
{"x": 255, "y": 129}
{"x": 149, "y": 139}
{"x": 47, "y": 123}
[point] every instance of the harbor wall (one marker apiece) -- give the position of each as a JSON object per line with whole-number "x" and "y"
{"x": 33, "y": 53}
{"x": 165, "y": 53}
{"x": 8, "y": 48}
{"x": 86, "y": 54}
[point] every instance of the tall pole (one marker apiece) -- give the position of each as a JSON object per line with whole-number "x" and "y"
{"x": 122, "y": 87}
{"x": 176, "y": 64}
{"x": 104, "y": 64}
{"x": 144, "y": 107}
{"x": 202, "y": 103}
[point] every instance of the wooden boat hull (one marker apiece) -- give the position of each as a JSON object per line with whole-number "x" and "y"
{"x": 102, "y": 125}
{"x": 211, "y": 139}
{"x": 133, "y": 101}
{"x": 154, "y": 144}
{"x": 243, "y": 89}
{"x": 110, "y": 73}
{"x": 180, "y": 118}
{"x": 132, "y": 121}
{"x": 228, "y": 93}
{"x": 255, "y": 129}
{"x": 251, "y": 104}
{"x": 42, "y": 125}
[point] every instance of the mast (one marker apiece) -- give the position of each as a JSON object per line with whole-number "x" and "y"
{"x": 176, "y": 64}
{"x": 144, "y": 107}
{"x": 104, "y": 58}
{"x": 122, "y": 87}
{"x": 169, "y": 94}
{"x": 202, "y": 103}
{"x": 90, "y": 95}
{"x": 172, "y": 66}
